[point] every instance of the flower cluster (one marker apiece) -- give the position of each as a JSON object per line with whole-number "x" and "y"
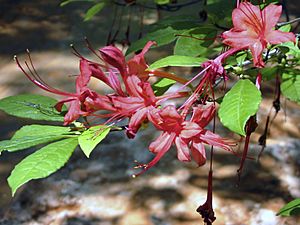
{"x": 132, "y": 97}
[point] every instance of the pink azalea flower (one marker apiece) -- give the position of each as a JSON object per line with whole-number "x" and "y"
{"x": 135, "y": 66}
{"x": 84, "y": 101}
{"x": 137, "y": 106}
{"x": 188, "y": 136}
{"x": 253, "y": 29}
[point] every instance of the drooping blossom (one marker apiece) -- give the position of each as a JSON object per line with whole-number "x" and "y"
{"x": 253, "y": 29}
{"x": 81, "y": 103}
{"x": 84, "y": 101}
{"x": 189, "y": 136}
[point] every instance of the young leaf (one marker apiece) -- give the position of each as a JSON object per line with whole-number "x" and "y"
{"x": 290, "y": 86}
{"x": 161, "y": 86}
{"x": 241, "y": 102}
{"x": 36, "y": 107}
{"x": 42, "y": 163}
{"x": 177, "y": 60}
{"x": 94, "y": 10}
{"x": 290, "y": 209}
{"x": 32, "y": 135}
{"x": 90, "y": 138}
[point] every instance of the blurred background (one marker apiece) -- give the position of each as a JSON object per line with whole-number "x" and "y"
{"x": 100, "y": 190}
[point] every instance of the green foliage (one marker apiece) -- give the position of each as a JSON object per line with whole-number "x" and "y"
{"x": 161, "y": 37}
{"x": 195, "y": 41}
{"x": 42, "y": 163}
{"x": 66, "y": 2}
{"x": 32, "y": 135}
{"x": 177, "y": 60}
{"x": 31, "y": 106}
{"x": 269, "y": 73}
{"x": 290, "y": 209}
{"x": 162, "y": 2}
{"x": 162, "y": 85}
{"x": 165, "y": 31}
{"x": 290, "y": 86}
{"x": 90, "y": 138}
{"x": 94, "y": 10}
{"x": 238, "y": 105}
{"x": 219, "y": 12}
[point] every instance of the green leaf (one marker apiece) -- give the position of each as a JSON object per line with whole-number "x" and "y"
{"x": 36, "y": 107}
{"x": 162, "y": 36}
{"x": 162, "y": 85}
{"x": 162, "y": 2}
{"x": 42, "y": 163}
{"x": 32, "y": 135}
{"x": 290, "y": 86}
{"x": 290, "y": 209}
{"x": 293, "y": 48}
{"x": 285, "y": 28}
{"x": 196, "y": 41}
{"x": 41, "y": 130}
{"x": 238, "y": 105}
{"x": 177, "y": 60}
{"x": 66, "y": 2}
{"x": 268, "y": 73}
{"x": 94, "y": 10}
{"x": 219, "y": 11}
{"x": 90, "y": 138}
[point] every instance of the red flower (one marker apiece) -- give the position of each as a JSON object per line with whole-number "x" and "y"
{"x": 253, "y": 29}
{"x": 188, "y": 136}
{"x": 85, "y": 101}
{"x": 137, "y": 106}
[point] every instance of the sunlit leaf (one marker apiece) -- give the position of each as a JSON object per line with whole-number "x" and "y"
{"x": 177, "y": 60}
{"x": 290, "y": 86}
{"x": 161, "y": 86}
{"x": 36, "y": 107}
{"x": 90, "y": 138}
{"x": 42, "y": 163}
{"x": 238, "y": 105}
{"x": 290, "y": 209}
{"x": 32, "y": 135}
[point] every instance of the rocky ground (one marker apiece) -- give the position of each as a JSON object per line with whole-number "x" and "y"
{"x": 100, "y": 190}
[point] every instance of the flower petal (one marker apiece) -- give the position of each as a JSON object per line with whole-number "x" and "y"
{"x": 135, "y": 122}
{"x": 114, "y": 57}
{"x": 211, "y": 138}
{"x": 183, "y": 152}
{"x": 162, "y": 143}
{"x": 202, "y": 116}
{"x": 137, "y": 65}
{"x": 239, "y": 39}
{"x": 257, "y": 50}
{"x": 278, "y": 36}
{"x": 198, "y": 153}
{"x": 84, "y": 76}
{"x": 271, "y": 15}
{"x": 246, "y": 17}
{"x": 190, "y": 130}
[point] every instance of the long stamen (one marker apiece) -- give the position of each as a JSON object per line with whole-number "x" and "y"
{"x": 90, "y": 47}
{"x": 34, "y": 78}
